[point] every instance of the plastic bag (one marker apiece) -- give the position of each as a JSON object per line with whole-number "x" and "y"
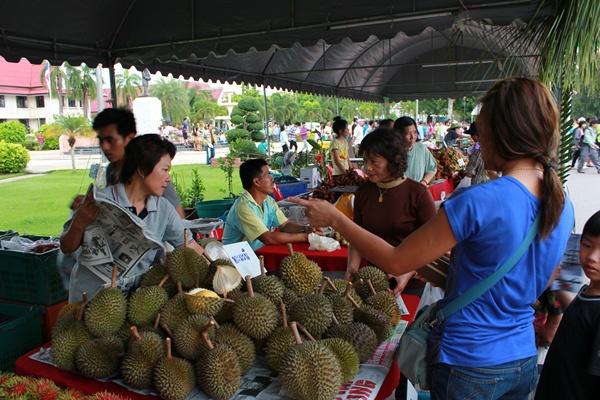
{"x": 322, "y": 243}
{"x": 431, "y": 294}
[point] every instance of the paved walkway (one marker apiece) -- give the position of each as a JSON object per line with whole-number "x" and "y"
{"x": 19, "y": 178}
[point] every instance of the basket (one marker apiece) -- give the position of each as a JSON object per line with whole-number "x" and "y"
{"x": 213, "y": 208}
{"x": 31, "y": 277}
{"x": 20, "y": 334}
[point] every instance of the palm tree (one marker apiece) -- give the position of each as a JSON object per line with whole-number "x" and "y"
{"x": 81, "y": 85}
{"x": 174, "y": 97}
{"x": 204, "y": 108}
{"x": 128, "y": 87}
{"x": 54, "y": 84}
{"x": 71, "y": 126}
{"x": 283, "y": 108}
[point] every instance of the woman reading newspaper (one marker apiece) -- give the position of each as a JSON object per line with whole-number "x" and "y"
{"x": 125, "y": 224}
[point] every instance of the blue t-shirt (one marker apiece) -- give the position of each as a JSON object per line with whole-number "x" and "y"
{"x": 490, "y": 221}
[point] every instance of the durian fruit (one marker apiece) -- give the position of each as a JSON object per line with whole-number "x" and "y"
{"x": 315, "y": 312}
{"x": 254, "y": 314}
{"x": 203, "y": 301}
{"x": 174, "y": 311}
{"x": 187, "y": 337}
{"x": 342, "y": 287}
{"x": 280, "y": 342}
{"x": 375, "y": 319}
{"x": 184, "y": 264}
{"x": 346, "y": 355}
{"x": 299, "y": 273}
{"x": 224, "y": 277}
{"x": 226, "y": 313}
{"x": 218, "y": 370}
{"x": 68, "y": 314}
{"x": 242, "y": 345}
{"x": 268, "y": 285}
{"x": 66, "y": 342}
{"x": 289, "y": 297}
{"x": 358, "y": 335}
{"x": 100, "y": 357}
{"x": 310, "y": 371}
{"x": 144, "y": 351}
{"x": 145, "y": 303}
{"x": 174, "y": 377}
{"x": 378, "y": 279}
{"x": 342, "y": 307}
{"x": 107, "y": 311}
{"x": 386, "y": 303}
{"x": 153, "y": 277}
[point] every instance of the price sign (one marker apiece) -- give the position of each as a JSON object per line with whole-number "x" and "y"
{"x": 243, "y": 258}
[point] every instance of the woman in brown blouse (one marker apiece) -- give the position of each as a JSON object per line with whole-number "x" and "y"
{"x": 390, "y": 205}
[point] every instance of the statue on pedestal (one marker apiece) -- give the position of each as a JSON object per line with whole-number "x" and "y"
{"x": 145, "y": 81}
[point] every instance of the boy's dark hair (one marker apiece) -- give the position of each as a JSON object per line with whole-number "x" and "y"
{"x": 142, "y": 154}
{"x": 386, "y": 123}
{"x": 389, "y": 144}
{"x": 249, "y": 170}
{"x": 122, "y": 118}
{"x": 592, "y": 226}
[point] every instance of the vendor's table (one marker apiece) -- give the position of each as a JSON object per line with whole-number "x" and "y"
{"x": 436, "y": 189}
{"x": 328, "y": 261}
{"x": 27, "y": 366}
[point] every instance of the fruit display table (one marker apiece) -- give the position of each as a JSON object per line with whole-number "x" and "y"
{"x": 381, "y": 386}
{"x": 328, "y": 261}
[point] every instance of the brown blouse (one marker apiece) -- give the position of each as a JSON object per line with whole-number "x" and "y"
{"x": 404, "y": 209}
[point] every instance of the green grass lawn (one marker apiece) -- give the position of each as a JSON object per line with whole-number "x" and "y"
{"x": 40, "y": 205}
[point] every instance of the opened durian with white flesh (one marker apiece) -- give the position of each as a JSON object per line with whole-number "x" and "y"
{"x": 143, "y": 179}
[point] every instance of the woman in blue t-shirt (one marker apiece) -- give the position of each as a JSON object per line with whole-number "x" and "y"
{"x": 487, "y": 349}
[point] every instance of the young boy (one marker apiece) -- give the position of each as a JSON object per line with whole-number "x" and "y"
{"x": 572, "y": 367}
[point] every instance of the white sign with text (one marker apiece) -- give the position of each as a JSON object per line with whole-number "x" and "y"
{"x": 244, "y": 258}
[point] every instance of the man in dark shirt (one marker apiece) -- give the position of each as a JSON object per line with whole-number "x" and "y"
{"x": 572, "y": 367}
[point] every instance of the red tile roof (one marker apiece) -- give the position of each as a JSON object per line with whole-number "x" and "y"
{"x": 22, "y": 78}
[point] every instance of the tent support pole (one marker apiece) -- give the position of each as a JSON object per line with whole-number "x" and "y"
{"x": 113, "y": 82}
{"x": 337, "y": 105}
{"x": 267, "y": 121}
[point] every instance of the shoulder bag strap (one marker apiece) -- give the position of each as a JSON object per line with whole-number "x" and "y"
{"x": 483, "y": 286}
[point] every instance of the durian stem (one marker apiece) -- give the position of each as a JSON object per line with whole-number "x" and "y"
{"x": 226, "y": 300}
{"x": 84, "y": 297}
{"x": 168, "y": 348}
{"x": 322, "y": 287}
{"x": 214, "y": 322}
{"x": 354, "y": 303}
{"x": 371, "y": 286}
{"x": 263, "y": 271}
{"x": 207, "y": 340}
{"x": 225, "y": 294}
{"x": 348, "y": 288}
{"x": 179, "y": 287}
{"x": 331, "y": 285}
{"x": 306, "y": 333}
{"x": 335, "y": 320}
{"x": 249, "y": 288}
{"x": 185, "y": 240}
{"x": 135, "y": 333}
{"x": 164, "y": 280}
{"x": 283, "y": 314}
{"x": 290, "y": 249}
{"x": 79, "y": 314}
{"x": 296, "y": 333}
{"x": 113, "y": 280}
{"x": 167, "y": 329}
{"x": 156, "y": 321}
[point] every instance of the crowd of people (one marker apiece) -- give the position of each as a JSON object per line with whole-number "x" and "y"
{"x": 487, "y": 348}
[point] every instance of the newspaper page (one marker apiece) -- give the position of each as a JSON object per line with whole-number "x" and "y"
{"x": 262, "y": 383}
{"x": 116, "y": 238}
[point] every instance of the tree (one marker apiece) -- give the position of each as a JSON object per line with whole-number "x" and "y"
{"x": 204, "y": 108}
{"x": 586, "y": 104}
{"x": 174, "y": 97}
{"x": 81, "y": 85}
{"x": 283, "y": 108}
{"x": 54, "y": 84}
{"x": 128, "y": 87}
{"x": 71, "y": 126}
{"x": 245, "y": 115}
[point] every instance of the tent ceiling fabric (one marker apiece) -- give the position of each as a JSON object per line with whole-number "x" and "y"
{"x": 354, "y": 48}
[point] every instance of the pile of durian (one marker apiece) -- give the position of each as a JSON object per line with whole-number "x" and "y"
{"x": 193, "y": 322}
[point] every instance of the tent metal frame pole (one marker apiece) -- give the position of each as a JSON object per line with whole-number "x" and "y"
{"x": 337, "y": 106}
{"x": 267, "y": 121}
{"x": 113, "y": 81}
